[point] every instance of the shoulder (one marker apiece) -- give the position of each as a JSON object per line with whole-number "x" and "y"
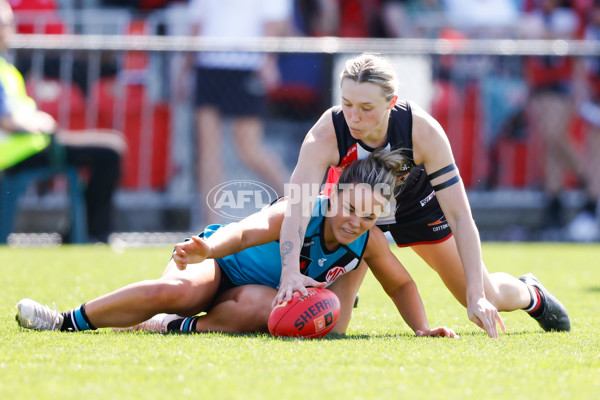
{"x": 377, "y": 243}
{"x": 323, "y": 129}
{"x": 422, "y": 120}
{"x": 428, "y": 135}
{"x": 321, "y": 138}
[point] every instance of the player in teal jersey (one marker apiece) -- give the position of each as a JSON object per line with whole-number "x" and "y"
{"x": 205, "y": 271}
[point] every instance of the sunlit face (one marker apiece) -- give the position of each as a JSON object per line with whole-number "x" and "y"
{"x": 365, "y": 109}
{"x": 353, "y": 211}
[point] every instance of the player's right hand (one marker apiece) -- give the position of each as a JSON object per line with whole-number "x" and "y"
{"x": 293, "y": 281}
{"x": 486, "y": 316}
{"x": 190, "y": 252}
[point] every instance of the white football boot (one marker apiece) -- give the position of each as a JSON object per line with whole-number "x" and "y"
{"x": 33, "y": 315}
{"x": 158, "y": 323}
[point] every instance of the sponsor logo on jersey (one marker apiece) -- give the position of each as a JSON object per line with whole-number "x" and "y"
{"x": 322, "y": 261}
{"x": 304, "y": 263}
{"x": 349, "y": 158}
{"x": 427, "y": 199}
{"x": 438, "y": 225}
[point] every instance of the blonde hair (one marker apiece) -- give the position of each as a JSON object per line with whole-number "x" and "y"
{"x": 381, "y": 169}
{"x": 371, "y": 68}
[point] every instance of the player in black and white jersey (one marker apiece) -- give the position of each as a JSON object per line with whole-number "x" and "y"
{"x": 432, "y": 214}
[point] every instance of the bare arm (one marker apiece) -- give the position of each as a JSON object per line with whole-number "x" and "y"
{"x": 318, "y": 151}
{"x": 398, "y": 284}
{"x": 30, "y": 121}
{"x": 431, "y": 147}
{"x": 259, "y": 228}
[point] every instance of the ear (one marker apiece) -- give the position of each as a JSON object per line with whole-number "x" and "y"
{"x": 392, "y": 102}
{"x": 333, "y": 195}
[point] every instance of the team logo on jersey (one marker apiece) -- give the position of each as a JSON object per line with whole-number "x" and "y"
{"x": 321, "y": 261}
{"x": 240, "y": 198}
{"x": 336, "y": 271}
{"x": 333, "y": 273}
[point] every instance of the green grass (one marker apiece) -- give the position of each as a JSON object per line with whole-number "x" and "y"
{"x": 379, "y": 358}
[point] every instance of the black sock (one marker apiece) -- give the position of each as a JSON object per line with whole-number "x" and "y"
{"x": 536, "y": 305}
{"x": 183, "y": 325}
{"x": 76, "y": 320}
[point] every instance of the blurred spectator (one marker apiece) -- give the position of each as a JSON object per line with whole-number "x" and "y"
{"x": 43, "y": 17}
{"x": 360, "y": 18}
{"x": 234, "y": 85}
{"x": 586, "y": 225}
{"x": 99, "y": 152}
{"x": 550, "y": 103}
{"x": 482, "y": 18}
{"x": 316, "y": 17}
{"x": 145, "y": 5}
{"x": 395, "y": 18}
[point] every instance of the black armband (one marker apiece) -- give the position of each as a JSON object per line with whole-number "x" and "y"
{"x": 446, "y": 184}
{"x": 442, "y": 171}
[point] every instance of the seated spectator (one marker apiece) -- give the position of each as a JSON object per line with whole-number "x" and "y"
{"x": 99, "y": 152}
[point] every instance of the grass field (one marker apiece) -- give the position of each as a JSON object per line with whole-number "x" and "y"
{"x": 379, "y": 358}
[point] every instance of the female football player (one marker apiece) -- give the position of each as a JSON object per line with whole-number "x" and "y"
{"x": 432, "y": 214}
{"x": 204, "y": 271}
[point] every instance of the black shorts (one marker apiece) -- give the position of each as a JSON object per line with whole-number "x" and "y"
{"x": 225, "y": 284}
{"x": 234, "y": 92}
{"x": 430, "y": 230}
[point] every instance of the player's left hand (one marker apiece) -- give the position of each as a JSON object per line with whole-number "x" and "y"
{"x": 441, "y": 331}
{"x": 193, "y": 251}
{"x": 485, "y": 315}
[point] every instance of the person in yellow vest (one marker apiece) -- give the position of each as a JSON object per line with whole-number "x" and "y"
{"x": 30, "y": 138}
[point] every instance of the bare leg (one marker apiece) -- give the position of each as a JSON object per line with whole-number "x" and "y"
{"x": 248, "y": 133}
{"x": 346, "y": 287}
{"x": 186, "y": 293}
{"x": 551, "y": 114}
{"x": 108, "y": 138}
{"x": 239, "y": 310}
{"x": 592, "y": 165}
{"x": 504, "y": 291}
{"x": 210, "y": 169}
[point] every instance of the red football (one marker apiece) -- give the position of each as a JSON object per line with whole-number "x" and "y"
{"x": 310, "y": 316}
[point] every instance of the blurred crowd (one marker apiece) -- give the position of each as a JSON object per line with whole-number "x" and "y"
{"x": 535, "y": 119}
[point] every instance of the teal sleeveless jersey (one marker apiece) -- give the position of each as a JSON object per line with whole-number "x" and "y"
{"x": 262, "y": 264}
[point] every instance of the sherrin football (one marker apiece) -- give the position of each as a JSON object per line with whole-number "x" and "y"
{"x": 311, "y": 316}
